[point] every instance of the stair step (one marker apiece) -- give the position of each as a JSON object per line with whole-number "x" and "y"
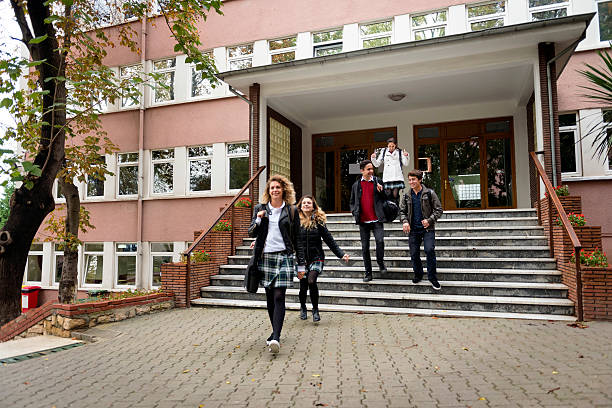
{"x": 386, "y": 310}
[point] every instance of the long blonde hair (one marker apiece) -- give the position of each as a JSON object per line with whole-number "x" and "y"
{"x": 286, "y": 186}
{"x": 317, "y": 217}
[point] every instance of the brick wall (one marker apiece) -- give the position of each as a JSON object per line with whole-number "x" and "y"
{"x": 174, "y": 279}
{"x": 596, "y": 289}
{"x": 254, "y": 121}
{"x": 569, "y": 203}
{"x": 25, "y": 321}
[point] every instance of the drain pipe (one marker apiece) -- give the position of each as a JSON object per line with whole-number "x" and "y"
{"x": 141, "y": 115}
{"x": 551, "y": 116}
{"x": 252, "y": 120}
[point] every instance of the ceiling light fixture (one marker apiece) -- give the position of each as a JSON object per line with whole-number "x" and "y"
{"x": 396, "y": 97}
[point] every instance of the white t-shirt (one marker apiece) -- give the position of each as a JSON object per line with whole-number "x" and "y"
{"x": 274, "y": 239}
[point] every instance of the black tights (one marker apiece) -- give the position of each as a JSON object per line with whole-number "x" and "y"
{"x": 310, "y": 283}
{"x": 276, "y": 310}
{"x": 393, "y": 194}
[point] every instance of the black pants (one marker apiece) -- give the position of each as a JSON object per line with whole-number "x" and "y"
{"x": 310, "y": 282}
{"x": 275, "y": 298}
{"x": 415, "y": 239}
{"x": 378, "y": 230}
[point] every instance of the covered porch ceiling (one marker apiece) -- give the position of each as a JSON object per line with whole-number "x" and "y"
{"x": 476, "y": 67}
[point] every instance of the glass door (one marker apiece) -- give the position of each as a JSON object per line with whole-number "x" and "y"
{"x": 349, "y": 173}
{"x": 463, "y": 178}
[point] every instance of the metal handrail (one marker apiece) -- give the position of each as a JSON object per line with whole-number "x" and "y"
{"x": 553, "y": 199}
{"x": 204, "y": 233}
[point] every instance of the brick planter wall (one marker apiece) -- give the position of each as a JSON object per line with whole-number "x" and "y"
{"x": 589, "y": 236}
{"x": 596, "y": 290}
{"x": 569, "y": 203}
{"x": 241, "y": 222}
{"x": 174, "y": 279}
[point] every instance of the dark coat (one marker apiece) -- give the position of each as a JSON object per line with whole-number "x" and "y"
{"x": 379, "y": 200}
{"x": 288, "y": 230}
{"x": 430, "y": 207}
{"x": 311, "y": 241}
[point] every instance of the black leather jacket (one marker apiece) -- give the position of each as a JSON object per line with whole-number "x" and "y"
{"x": 379, "y": 200}
{"x": 311, "y": 242}
{"x": 289, "y": 231}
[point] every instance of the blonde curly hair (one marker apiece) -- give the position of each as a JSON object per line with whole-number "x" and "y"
{"x": 286, "y": 186}
{"x": 318, "y": 216}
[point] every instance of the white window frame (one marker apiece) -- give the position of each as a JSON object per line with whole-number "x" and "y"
{"x": 56, "y": 187}
{"x": 367, "y": 37}
{"x": 199, "y": 158}
{"x": 34, "y": 253}
{"x": 86, "y": 186}
{"x": 127, "y": 164}
{"x": 56, "y": 253}
{"x": 548, "y": 7}
{"x": 155, "y": 162}
{"x": 229, "y": 157}
{"x": 126, "y": 103}
{"x": 87, "y": 252}
{"x": 603, "y": 42}
{"x": 327, "y": 44}
{"x": 577, "y": 151}
{"x": 415, "y": 29}
{"x": 168, "y": 70}
{"x": 120, "y": 254}
{"x": 608, "y": 165}
{"x": 158, "y": 253}
{"x": 293, "y": 49}
{"x": 486, "y": 17}
{"x": 242, "y": 57}
{"x": 207, "y": 86}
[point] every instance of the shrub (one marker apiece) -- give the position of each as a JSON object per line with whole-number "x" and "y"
{"x": 200, "y": 256}
{"x": 561, "y": 191}
{"x": 577, "y": 220}
{"x": 243, "y": 202}
{"x": 223, "y": 225}
{"x": 593, "y": 258}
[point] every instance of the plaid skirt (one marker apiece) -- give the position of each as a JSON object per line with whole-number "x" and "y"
{"x": 278, "y": 269}
{"x": 314, "y": 266}
{"x": 394, "y": 184}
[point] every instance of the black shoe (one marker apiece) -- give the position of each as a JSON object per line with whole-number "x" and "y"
{"x": 435, "y": 284}
{"x": 367, "y": 277}
{"x": 303, "y": 314}
{"x": 383, "y": 270}
{"x": 315, "y": 315}
{"x": 416, "y": 280}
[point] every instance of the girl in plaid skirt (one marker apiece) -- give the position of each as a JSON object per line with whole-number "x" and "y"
{"x": 394, "y": 159}
{"x": 311, "y": 234}
{"x": 275, "y": 225}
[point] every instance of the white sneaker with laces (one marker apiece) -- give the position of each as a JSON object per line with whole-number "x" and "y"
{"x": 274, "y": 346}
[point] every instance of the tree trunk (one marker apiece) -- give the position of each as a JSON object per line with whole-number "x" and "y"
{"x": 68, "y": 282}
{"x": 29, "y": 207}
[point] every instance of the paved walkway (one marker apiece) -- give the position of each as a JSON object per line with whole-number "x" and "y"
{"x": 216, "y": 357}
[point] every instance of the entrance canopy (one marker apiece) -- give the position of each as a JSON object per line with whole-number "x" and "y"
{"x": 475, "y": 67}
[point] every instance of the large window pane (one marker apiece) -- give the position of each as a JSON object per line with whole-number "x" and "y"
{"x": 499, "y": 173}
{"x": 604, "y": 11}
{"x": 34, "y": 268}
{"x": 376, "y": 42}
{"x": 487, "y": 9}
{"x": 548, "y": 14}
{"x": 94, "y": 266}
{"x": 568, "y": 152}
{"x": 199, "y": 175}
{"x": 157, "y": 263}
{"x": 126, "y": 270}
{"x": 283, "y": 57}
{"x": 163, "y": 178}
{"x": 59, "y": 266}
{"x": 433, "y": 179}
{"x": 376, "y": 28}
{"x": 239, "y": 172}
{"x": 128, "y": 180}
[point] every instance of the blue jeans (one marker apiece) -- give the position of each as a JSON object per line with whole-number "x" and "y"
{"x": 415, "y": 239}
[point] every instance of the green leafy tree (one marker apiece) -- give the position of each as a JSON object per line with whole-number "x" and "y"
{"x": 57, "y": 112}
{"x": 600, "y": 90}
{"x": 5, "y": 202}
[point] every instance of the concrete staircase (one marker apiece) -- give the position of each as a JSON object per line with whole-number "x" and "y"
{"x": 493, "y": 263}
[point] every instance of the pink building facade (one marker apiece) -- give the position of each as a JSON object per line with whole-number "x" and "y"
{"x": 462, "y": 86}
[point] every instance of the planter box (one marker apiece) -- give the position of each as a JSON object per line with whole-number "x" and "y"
{"x": 241, "y": 220}
{"x": 589, "y": 236}
{"x": 596, "y": 290}
{"x": 569, "y": 203}
{"x": 174, "y": 279}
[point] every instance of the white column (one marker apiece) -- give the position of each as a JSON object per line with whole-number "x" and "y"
{"x": 457, "y": 20}
{"x": 143, "y": 274}
{"x": 108, "y": 270}
{"x": 110, "y": 189}
{"x": 260, "y": 53}
{"x": 218, "y": 169}
{"x": 516, "y": 12}
{"x": 180, "y": 171}
{"x": 401, "y": 26}
{"x": 350, "y": 36}
{"x": 182, "y": 79}
{"x": 304, "y": 46}
{"x": 47, "y": 265}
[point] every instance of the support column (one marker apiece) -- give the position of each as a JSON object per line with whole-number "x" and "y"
{"x": 531, "y": 143}
{"x": 546, "y": 51}
{"x": 255, "y": 143}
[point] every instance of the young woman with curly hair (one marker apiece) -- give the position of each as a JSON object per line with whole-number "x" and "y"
{"x": 311, "y": 233}
{"x": 275, "y": 226}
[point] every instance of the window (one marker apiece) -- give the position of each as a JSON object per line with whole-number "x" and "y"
{"x": 327, "y": 42}
{"x": 568, "y": 135}
{"x": 238, "y": 165}
{"x": 128, "y": 173}
{"x": 280, "y": 149}
{"x": 126, "y": 264}
{"x": 486, "y": 15}
{"x": 162, "y": 162}
{"x": 607, "y": 117}
{"x": 546, "y": 9}
{"x": 282, "y": 50}
{"x": 604, "y": 13}
{"x": 131, "y": 95}
{"x": 161, "y": 253}
{"x": 200, "y": 86}
{"x": 58, "y": 265}
{"x": 164, "y": 88}
{"x": 375, "y": 34}
{"x": 94, "y": 264}
{"x": 240, "y": 57}
{"x": 429, "y": 25}
{"x": 95, "y": 186}
{"x": 35, "y": 261}
{"x": 59, "y": 194}
{"x": 200, "y": 160}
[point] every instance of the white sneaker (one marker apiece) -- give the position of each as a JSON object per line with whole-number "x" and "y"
{"x": 274, "y": 347}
